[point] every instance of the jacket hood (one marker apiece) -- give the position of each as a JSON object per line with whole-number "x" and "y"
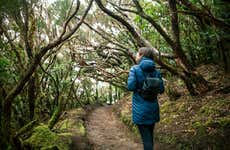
{"x": 147, "y": 64}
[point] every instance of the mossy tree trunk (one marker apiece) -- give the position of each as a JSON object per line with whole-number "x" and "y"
{"x": 185, "y": 70}
{"x": 2, "y": 95}
{"x": 56, "y": 114}
{"x": 195, "y": 83}
{"x": 35, "y": 61}
{"x": 31, "y": 96}
{"x": 110, "y": 94}
{"x": 97, "y": 93}
{"x": 224, "y": 50}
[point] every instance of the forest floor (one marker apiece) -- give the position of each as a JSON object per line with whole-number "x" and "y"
{"x": 201, "y": 122}
{"x": 106, "y": 132}
{"x": 198, "y": 122}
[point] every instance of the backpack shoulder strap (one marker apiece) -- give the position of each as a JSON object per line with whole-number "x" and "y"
{"x": 154, "y": 73}
{"x": 143, "y": 72}
{"x": 138, "y": 68}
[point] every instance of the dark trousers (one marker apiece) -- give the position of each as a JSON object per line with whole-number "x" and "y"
{"x": 146, "y": 132}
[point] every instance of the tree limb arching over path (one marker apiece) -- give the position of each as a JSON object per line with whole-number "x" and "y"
{"x": 195, "y": 83}
{"x": 54, "y": 59}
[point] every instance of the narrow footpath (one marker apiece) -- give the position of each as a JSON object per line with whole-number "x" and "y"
{"x": 106, "y": 132}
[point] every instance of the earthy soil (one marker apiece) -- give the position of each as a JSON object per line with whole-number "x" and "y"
{"x": 181, "y": 120}
{"x": 106, "y": 132}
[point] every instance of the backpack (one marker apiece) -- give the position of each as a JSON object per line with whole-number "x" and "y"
{"x": 151, "y": 86}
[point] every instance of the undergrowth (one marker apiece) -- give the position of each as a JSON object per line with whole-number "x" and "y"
{"x": 201, "y": 122}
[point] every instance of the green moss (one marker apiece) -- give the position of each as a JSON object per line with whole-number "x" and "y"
{"x": 53, "y": 147}
{"x": 65, "y": 124}
{"x": 200, "y": 122}
{"x": 200, "y": 129}
{"x": 208, "y": 110}
{"x": 172, "y": 93}
{"x": 182, "y": 107}
{"x": 166, "y": 107}
{"x": 167, "y": 120}
{"x": 168, "y": 139}
{"x": 197, "y": 125}
{"x": 135, "y": 130}
{"x": 80, "y": 112}
{"x": 76, "y": 127}
{"x": 81, "y": 128}
{"x": 126, "y": 118}
{"x": 223, "y": 122}
{"x": 216, "y": 107}
{"x": 43, "y": 138}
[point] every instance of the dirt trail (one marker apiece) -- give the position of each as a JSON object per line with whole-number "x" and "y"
{"x": 106, "y": 132}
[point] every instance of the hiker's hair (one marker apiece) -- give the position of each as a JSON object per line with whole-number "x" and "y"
{"x": 146, "y": 52}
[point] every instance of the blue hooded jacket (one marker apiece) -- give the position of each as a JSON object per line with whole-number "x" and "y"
{"x": 143, "y": 112}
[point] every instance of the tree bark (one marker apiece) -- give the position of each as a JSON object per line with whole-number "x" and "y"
{"x": 224, "y": 48}
{"x": 176, "y": 36}
{"x": 205, "y": 15}
{"x": 110, "y": 94}
{"x": 195, "y": 83}
{"x": 31, "y": 96}
{"x": 7, "y": 103}
{"x": 2, "y": 95}
{"x": 56, "y": 114}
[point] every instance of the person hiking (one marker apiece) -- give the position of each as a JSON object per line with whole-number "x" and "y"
{"x": 145, "y": 111}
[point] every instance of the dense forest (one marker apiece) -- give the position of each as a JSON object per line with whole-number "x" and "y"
{"x": 63, "y": 55}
